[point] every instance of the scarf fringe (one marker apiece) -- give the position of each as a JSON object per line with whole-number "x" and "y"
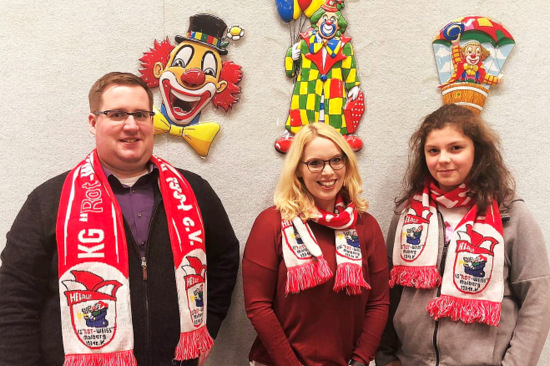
{"x": 349, "y": 276}
{"x": 418, "y": 277}
{"x": 307, "y": 275}
{"x": 466, "y": 310}
{"x": 192, "y": 344}
{"x": 122, "y": 358}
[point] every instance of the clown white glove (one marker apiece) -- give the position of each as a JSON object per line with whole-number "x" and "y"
{"x": 296, "y": 51}
{"x": 353, "y": 93}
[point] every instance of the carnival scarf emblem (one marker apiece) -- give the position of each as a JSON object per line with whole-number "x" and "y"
{"x": 306, "y": 266}
{"x": 472, "y": 286}
{"x": 93, "y": 267}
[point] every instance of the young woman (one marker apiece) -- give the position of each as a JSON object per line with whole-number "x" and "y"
{"x": 314, "y": 269}
{"x": 470, "y": 273}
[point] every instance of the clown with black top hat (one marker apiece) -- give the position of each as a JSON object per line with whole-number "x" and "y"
{"x": 190, "y": 75}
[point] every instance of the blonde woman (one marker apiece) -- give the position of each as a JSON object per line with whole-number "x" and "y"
{"x": 314, "y": 270}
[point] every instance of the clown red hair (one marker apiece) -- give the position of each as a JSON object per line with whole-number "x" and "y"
{"x": 233, "y": 74}
{"x": 159, "y": 53}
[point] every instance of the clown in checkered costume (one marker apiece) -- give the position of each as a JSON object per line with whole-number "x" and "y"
{"x": 324, "y": 62}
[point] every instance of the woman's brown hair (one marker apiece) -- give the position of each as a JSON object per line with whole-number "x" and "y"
{"x": 488, "y": 179}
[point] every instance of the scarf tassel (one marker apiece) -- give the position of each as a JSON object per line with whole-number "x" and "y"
{"x": 417, "y": 277}
{"x": 466, "y": 310}
{"x": 349, "y": 276}
{"x": 307, "y": 275}
{"x": 123, "y": 358}
{"x": 192, "y": 344}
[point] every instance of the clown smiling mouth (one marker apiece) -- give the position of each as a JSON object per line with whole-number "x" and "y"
{"x": 183, "y": 107}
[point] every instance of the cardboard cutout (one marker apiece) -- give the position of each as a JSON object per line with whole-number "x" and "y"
{"x": 190, "y": 75}
{"x": 323, "y": 64}
{"x": 470, "y": 53}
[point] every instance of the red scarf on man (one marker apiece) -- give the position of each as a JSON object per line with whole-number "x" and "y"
{"x": 94, "y": 284}
{"x": 472, "y": 286}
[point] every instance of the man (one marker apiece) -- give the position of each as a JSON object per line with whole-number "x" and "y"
{"x": 106, "y": 264}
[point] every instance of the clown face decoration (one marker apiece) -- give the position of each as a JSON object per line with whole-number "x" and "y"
{"x": 190, "y": 75}
{"x": 472, "y": 52}
{"x": 328, "y": 25}
{"x": 189, "y": 81}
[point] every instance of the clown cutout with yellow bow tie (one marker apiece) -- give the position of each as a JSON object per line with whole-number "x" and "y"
{"x": 190, "y": 75}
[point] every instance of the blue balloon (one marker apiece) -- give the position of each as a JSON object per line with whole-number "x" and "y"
{"x": 285, "y": 9}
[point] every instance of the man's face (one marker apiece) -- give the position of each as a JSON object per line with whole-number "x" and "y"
{"x": 328, "y": 25}
{"x": 190, "y": 80}
{"x": 123, "y": 147}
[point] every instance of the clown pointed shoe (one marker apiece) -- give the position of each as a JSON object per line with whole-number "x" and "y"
{"x": 283, "y": 143}
{"x": 354, "y": 142}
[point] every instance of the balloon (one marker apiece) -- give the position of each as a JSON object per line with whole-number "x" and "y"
{"x": 304, "y": 4}
{"x": 313, "y": 7}
{"x": 286, "y": 9}
{"x": 297, "y": 10}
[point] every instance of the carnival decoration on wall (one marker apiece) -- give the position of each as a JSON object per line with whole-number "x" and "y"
{"x": 470, "y": 53}
{"x": 190, "y": 75}
{"x": 322, "y": 63}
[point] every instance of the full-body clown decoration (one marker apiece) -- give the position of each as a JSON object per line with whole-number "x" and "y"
{"x": 190, "y": 75}
{"x": 327, "y": 86}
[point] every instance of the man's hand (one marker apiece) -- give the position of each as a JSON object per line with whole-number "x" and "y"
{"x": 203, "y": 356}
{"x": 296, "y": 51}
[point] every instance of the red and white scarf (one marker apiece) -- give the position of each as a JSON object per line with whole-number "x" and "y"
{"x": 472, "y": 286}
{"x": 94, "y": 287}
{"x": 306, "y": 267}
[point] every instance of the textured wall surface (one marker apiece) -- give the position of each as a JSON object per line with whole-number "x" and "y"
{"x": 52, "y": 52}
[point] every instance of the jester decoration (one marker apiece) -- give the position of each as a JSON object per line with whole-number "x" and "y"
{"x": 190, "y": 75}
{"x": 470, "y": 53}
{"x": 327, "y": 86}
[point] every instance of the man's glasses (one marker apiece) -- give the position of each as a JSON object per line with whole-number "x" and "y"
{"x": 317, "y": 165}
{"x": 121, "y": 116}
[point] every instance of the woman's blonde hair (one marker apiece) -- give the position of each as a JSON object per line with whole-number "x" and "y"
{"x": 291, "y": 195}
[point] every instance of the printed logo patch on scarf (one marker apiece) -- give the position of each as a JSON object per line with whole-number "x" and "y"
{"x": 296, "y": 244}
{"x": 195, "y": 282}
{"x": 474, "y": 260}
{"x": 413, "y": 236}
{"x": 92, "y": 301}
{"x": 349, "y": 247}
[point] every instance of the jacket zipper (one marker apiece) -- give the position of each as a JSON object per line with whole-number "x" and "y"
{"x": 443, "y": 258}
{"x": 144, "y": 274}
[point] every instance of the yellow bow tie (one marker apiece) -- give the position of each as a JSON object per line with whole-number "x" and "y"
{"x": 199, "y": 136}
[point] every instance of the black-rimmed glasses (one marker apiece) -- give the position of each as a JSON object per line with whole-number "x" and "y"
{"x": 120, "y": 116}
{"x": 317, "y": 165}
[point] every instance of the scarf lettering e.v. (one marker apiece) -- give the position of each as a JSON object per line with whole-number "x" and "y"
{"x": 472, "y": 286}
{"x": 93, "y": 267}
{"x": 306, "y": 267}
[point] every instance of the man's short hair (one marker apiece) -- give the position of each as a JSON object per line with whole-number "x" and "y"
{"x": 115, "y": 78}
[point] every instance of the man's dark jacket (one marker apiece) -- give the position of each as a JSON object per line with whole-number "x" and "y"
{"x": 30, "y": 325}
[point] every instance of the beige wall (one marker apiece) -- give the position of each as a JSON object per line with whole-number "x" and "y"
{"x": 51, "y": 53}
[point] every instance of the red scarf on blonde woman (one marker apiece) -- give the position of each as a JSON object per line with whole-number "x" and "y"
{"x": 306, "y": 266}
{"x": 472, "y": 286}
{"x": 94, "y": 283}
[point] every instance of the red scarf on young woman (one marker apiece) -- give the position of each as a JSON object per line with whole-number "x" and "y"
{"x": 94, "y": 286}
{"x": 306, "y": 266}
{"x": 472, "y": 286}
